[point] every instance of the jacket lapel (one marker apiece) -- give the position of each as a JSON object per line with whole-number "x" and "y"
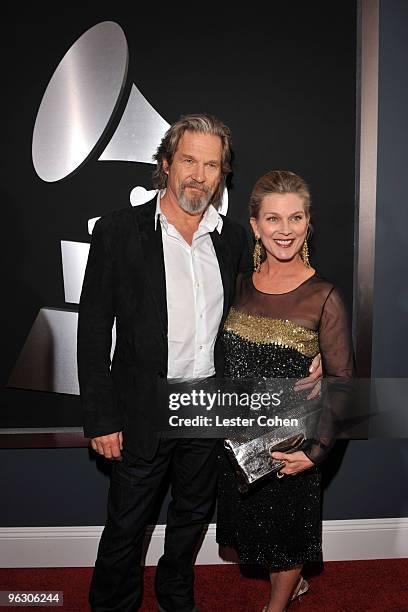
{"x": 152, "y": 249}
{"x": 222, "y": 253}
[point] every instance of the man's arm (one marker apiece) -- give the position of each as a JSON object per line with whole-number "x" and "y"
{"x": 101, "y": 415}
{"x": 245, "y": 262}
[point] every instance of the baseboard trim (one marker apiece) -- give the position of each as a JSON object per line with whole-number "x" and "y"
{"x": 77, "y": 546}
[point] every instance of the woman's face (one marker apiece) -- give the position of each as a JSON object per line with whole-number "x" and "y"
{"x": 282, "y": 225}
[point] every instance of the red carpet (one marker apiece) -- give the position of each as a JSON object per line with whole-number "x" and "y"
{"x": 347, "y": 586}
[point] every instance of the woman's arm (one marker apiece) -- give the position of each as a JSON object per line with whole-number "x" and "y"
{"x": 338, "y": 366}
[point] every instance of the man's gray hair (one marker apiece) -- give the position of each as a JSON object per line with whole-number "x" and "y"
{"x": 204, "y": 124}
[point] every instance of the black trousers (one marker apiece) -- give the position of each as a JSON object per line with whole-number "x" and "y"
{"x": 117, "y": 579}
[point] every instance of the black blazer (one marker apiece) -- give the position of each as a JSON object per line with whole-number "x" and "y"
{"x": 125, "y": 278}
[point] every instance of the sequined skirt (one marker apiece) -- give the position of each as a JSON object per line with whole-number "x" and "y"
{"x": 276, "y": 524}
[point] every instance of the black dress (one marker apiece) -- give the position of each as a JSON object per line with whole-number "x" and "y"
{"x": 278, "y": 522}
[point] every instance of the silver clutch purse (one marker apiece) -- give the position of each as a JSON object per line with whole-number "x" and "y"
{"x": 252, "y": 458}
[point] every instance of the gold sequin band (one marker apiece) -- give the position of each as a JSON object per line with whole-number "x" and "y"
{"x": 265, "y": 330}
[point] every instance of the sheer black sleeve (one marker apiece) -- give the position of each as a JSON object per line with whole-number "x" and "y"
{"x": 338, "y": 369}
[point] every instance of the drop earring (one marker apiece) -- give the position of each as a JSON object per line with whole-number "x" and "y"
{"x": 256, "y": 256}
{"x": 304, "y": 254}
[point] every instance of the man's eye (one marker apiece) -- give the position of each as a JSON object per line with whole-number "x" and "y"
{"x": 273, "y": 219}
{"x": 212, "y": 165}
{"x": 188, "y": 161}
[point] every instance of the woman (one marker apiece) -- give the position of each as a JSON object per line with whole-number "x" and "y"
{"x": 283, "y": 314}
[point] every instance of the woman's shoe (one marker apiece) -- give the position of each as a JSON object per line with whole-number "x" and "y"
{"x": 302, "y": 587}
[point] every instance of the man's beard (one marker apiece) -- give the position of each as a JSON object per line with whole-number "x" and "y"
{"x": 197, "y": 203}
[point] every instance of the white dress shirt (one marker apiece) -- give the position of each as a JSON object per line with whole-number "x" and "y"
{"x": 194, "y": 295}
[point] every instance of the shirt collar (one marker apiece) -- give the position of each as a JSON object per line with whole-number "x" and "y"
{"x": 210, "y": 221}
{"x": 158, "y": 213}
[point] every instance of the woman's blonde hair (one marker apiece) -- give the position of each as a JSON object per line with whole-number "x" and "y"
{"x": 278, "y": 181}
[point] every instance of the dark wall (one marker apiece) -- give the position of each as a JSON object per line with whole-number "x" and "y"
{"x": 65, "y": 487}
{"x": 285, "y": 84}
{"x": 391, "y": 270}
{"x": 287, "y": 93}
{"x": 373, "y": 475}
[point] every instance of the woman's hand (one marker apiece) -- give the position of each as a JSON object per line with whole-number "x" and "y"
{"x": 295, "y": 462}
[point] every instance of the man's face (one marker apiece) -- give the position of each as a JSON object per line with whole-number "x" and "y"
{"x": 195, "y": 172}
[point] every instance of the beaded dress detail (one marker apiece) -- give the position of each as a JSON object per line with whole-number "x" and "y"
{"x": 278, "y": 522}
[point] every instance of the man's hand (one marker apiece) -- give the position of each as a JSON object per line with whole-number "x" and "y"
{"x": 109, "y": 446}
{"x": 295, "y": 462}
{"x": 314, "y": 380}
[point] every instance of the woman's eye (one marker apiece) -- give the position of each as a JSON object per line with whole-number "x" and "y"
{"x": 273, "y": 219}
{"x": 297, "y": 218}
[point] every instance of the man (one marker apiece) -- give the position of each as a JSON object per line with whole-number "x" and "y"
{"x": 166, "y": 271}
